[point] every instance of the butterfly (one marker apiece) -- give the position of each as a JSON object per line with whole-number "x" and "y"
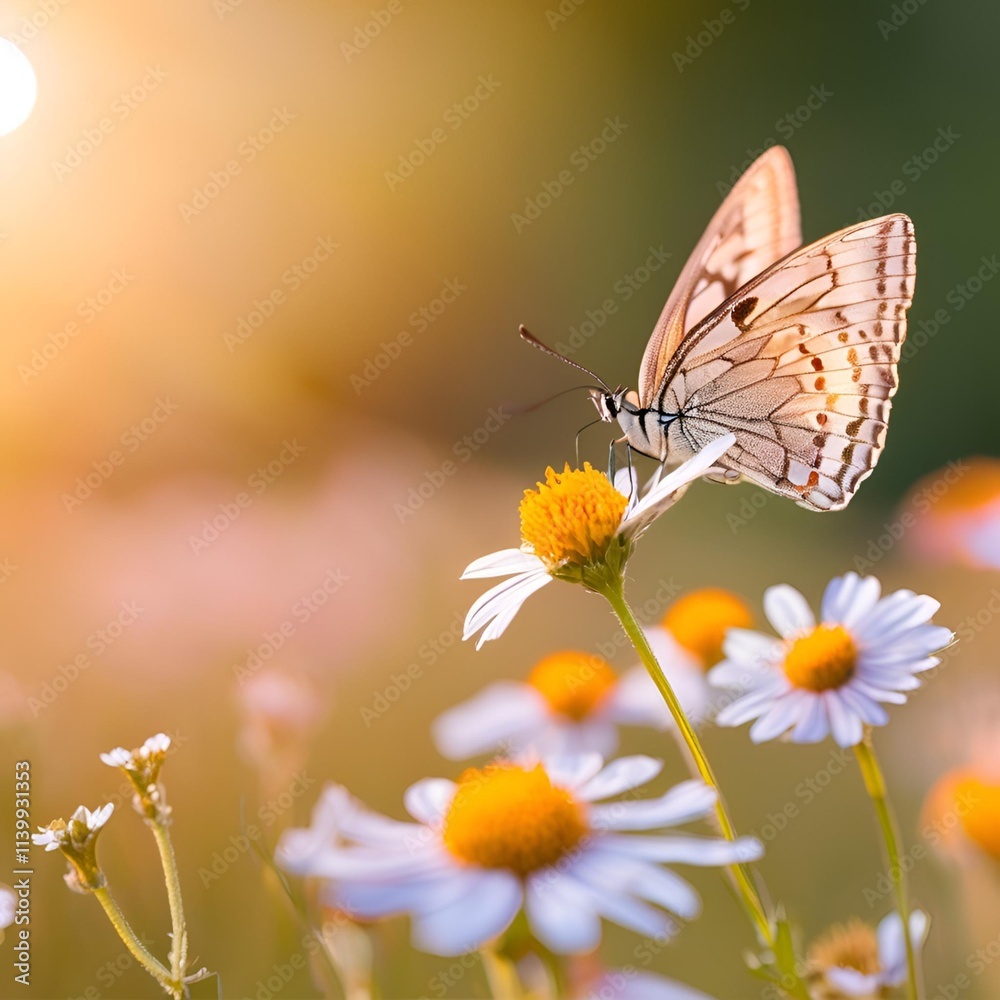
{"x": 793, "y": 349}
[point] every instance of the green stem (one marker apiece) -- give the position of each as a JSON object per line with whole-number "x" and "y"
{"x": 178, "y": 947}
{"x": 501, "y": 975}
{"x": 875, "y": 786}
{"x": 740, "y": 874}
{"x": 171, "y": 984}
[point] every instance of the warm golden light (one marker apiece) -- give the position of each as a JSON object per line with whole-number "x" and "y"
{"x": 18, "y": 87}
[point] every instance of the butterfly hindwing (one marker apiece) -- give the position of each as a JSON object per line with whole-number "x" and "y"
{"x": 801, "y": 365}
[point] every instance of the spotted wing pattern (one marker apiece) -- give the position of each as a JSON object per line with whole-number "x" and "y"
{"x": 757, "y": 224}
{"x": 801, "y": 365}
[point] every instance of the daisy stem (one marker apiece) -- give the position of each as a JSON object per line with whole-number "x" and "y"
{"x": 171, "y": 984}
{"x": 615, "y": 594}
{"x": 876, "y": 788}
{"x": 178, "y": 948}
{"x": 501, "y": 975}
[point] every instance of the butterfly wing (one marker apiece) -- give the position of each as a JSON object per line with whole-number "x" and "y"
{"x": 801, "y": 365}
{"x": 757, "y": 224}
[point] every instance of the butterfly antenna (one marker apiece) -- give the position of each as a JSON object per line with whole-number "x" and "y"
{"x": 528, "y": 336}
{"x": 517, "y": 409}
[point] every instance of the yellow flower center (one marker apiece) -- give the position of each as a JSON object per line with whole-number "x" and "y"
{"x": 977, "y": 804}
{"x": 572, "y": 517}
{"x": 848, "y": 946}
{"x": 573, "y": 683}
{"x": 505, "y": 816}
{"x": 699, "y": 622}
{"x": 823, "y": 659}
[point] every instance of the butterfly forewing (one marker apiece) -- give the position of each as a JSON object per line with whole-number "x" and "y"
{"x": 757, "y": 224}
{"x": 801, "y": 365}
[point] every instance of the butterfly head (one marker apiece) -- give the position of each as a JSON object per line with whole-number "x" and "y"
{"x": 609, "y": 404}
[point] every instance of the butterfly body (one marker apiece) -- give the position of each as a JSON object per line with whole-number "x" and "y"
{"x": 792, "y": 349}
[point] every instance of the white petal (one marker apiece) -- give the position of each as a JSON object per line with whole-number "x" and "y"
{"x": 572, "y": 771}
{"x": 754, "y": 704}
{"x": 374, "y": 899}
{"x": 895, "y": 615}
{"x": 892, "y": 947}
{"x": 845, "y": 724}
{"x": 662, "y": 494}
{"x": 780, "y": 717}
{"x": 428, "y": 799}
{"x": 561, "y": 913}
{"x": 620, "y": 776}
{"x": 666, "y": 889}
{"x": 813, "y": 726}
{"x": 501, "y": 713}
{"x": 754, "y": 651}
{"x": 687, "y": 801}
{"x": 502, "y": 602}
{"x": 852, "y": 983}
{"x": 489, "y": 902}
{"x": 634, "y": 985}
{"x": 686, "y": 849}
{"x": 506, "y": 562}
{"x": 788, "y": 611}
{"x": 869, "y": 710}
{"x": 849, "y": 598}
{"x": 565, "y": 738}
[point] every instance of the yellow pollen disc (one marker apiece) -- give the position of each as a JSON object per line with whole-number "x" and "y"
{"x": 823, "y": 659}
{"x": 699, "y": 622}
{"x": 573, "y": 683}
{"x": 977, "y": 804}
{"x": 572, "y": 517}
{"x": 505, "y": 816}
{"x": 849, "y": 946}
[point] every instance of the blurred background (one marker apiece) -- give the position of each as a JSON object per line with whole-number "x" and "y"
{"x": 262, "y": 269}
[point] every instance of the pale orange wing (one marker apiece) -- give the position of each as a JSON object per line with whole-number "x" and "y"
{"x": 757, "y": 224}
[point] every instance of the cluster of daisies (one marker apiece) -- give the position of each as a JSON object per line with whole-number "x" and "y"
{"x": 552, "y": 837}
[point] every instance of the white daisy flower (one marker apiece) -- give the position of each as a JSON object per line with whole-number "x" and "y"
{"x": 572, "y": 702}
{"x": 829, "y": 677}
{"x": 568, "y": 524}
{"x": 856, "y": 961}
{"x": 511, "y": 836}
